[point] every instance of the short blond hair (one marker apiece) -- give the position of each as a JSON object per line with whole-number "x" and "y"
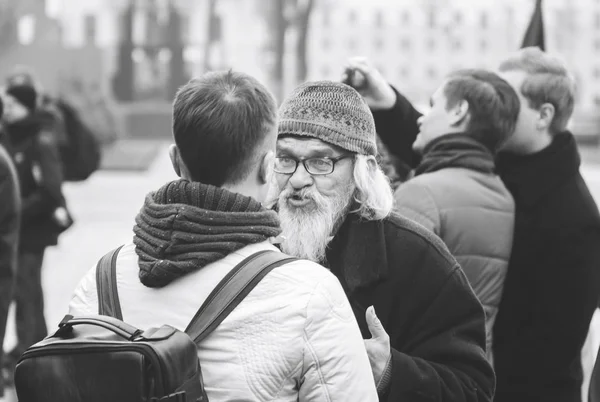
{"x": 547, "y": 81}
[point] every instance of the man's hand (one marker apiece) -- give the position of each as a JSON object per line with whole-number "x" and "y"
{"x": 378, "y": 347}
{"x": 369, "y": 82}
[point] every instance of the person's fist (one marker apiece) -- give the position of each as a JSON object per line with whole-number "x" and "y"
{"x": 369, "y": 82}
{"x": 378, "y": 347}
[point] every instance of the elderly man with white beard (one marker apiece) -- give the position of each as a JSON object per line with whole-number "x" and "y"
{"x": 427, "y": 335}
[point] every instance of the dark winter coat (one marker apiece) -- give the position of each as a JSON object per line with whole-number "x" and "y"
{"x": 435, "y": 322}
{"x": 553, "y": 281}
{"x": 35, "y": 155}
{"x": 554, "y": 272}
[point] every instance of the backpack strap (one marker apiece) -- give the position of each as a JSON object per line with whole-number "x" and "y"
{"x": 106, "y": 284}
{"x": 232, "y": 289}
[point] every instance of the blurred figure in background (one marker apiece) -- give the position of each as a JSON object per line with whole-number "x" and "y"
{"x": 10, "y": 215}
{"x": 43, "y": 213}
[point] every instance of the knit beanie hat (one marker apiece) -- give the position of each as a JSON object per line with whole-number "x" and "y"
{"x": 331, "y": 112}
{"x": 24, "y": 94}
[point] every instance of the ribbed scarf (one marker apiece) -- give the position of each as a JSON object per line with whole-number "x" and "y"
{"x": 456, "y": 150}
{"x": 185, "y": 226}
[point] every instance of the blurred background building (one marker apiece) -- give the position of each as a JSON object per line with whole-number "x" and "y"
{"x": 139, "y": 51}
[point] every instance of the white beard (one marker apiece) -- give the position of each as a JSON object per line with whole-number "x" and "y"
{"x": 307, "y": 231}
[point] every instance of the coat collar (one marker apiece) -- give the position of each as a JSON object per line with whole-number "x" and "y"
{"x": 531, "y": 177}
{"x": 357, "y": 254}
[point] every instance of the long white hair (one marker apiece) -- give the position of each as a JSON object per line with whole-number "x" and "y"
{"x": 373, "y": 192}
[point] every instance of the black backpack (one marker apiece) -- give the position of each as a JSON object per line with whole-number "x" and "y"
{"x": 101, "y": 358}
{"x": 80, "y": 153}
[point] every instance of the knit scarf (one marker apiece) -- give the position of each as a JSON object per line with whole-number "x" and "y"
{"x": 185, "y": 226}
{"x": 456, "y": 150}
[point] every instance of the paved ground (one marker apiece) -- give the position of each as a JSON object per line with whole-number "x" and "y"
{"x": 105, "y": 207}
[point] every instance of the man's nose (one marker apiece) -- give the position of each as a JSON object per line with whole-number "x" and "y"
{"x": 420, "y": 121}
{"x": 301, "y": 178}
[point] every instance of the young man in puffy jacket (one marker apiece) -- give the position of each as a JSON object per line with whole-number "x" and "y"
{"x": 294, "y": 337}
{"x": 455, "y": 191}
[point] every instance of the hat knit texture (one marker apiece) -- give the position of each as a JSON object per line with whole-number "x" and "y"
{"x": 331, "y": 112}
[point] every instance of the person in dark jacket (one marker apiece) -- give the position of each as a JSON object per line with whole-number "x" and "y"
{"x": 335, "y": 207}
{"x": 43, "y": 212}
{"x": 553, "y": 281}
{"x": 10, "y": 216}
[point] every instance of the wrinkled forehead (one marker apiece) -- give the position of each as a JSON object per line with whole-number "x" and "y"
{"x": 306, "y": 147}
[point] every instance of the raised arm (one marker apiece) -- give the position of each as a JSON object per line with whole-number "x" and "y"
{"x": 395, "y": 117}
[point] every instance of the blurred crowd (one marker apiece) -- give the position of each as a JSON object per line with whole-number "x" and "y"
{"x": 343, "y": 246}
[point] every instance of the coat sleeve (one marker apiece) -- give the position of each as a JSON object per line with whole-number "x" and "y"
{"x": 444, "y": 358}
{"x": 398, "y": 129}
{"x": 49, "y": 176}
{"x": 414, "y": 201}
{"x": 336, "y": 366}
{"x": 563, "y": 307}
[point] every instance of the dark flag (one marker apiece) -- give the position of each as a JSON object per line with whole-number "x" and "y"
{"x": 534, "y": 36}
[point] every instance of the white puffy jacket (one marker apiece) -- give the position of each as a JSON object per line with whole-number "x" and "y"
{"x": 293, "y": 338}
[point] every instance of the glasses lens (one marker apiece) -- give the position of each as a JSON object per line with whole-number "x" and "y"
{"x": 285, "y": 165}
{"x": 319, "y": 166}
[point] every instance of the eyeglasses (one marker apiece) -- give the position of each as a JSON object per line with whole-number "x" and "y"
{"x": 314, "y": 166}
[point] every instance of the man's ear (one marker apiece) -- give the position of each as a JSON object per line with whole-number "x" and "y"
{"x": 372, "y": 162}
{"x": 545, "y": 117}
{"x": 266, "y": 168}
{"x": 459, "y": 113}
{"x": 175, "y": 159}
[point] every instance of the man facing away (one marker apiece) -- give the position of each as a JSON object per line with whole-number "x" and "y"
{"x": 335, "y": 206}
{"x": 294, "y": 337}
{"x": 455, "y": 191}
{"x": 553, "y": 280}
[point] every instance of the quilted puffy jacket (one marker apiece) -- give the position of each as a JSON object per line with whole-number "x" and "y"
{"x": 474, "y": 215}
{"x": 293, "y": 338}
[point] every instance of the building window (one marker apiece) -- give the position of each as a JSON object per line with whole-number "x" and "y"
{"x": 431, "y": 73}
{"x": 352, "y": 44}
{"x": 597, "y": 100}
{"x": 597, "y": 20}
{"x": 405, "y": 18}
{"x": 352, "y": 17}
{"x": 326, "y": 19}
{"x": 379, "y": 19}
{"x": 457, "y": 45}
{"x": 597, "y": 44}
{"x": 458, "y": 18}
{"x": 404, "y": 73}
{"x": 378, "y": 43}
{"x": 432, "y": 19}
{"x": 90, "y": 29}
{"x": 430, "y": 44}
{"x": 483, "y": 45}
{"x": 405, "y": 44}
{"x": 326, "y": 43}
{"x": 484, "y": 20}
{"x": 596, "y": 73}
